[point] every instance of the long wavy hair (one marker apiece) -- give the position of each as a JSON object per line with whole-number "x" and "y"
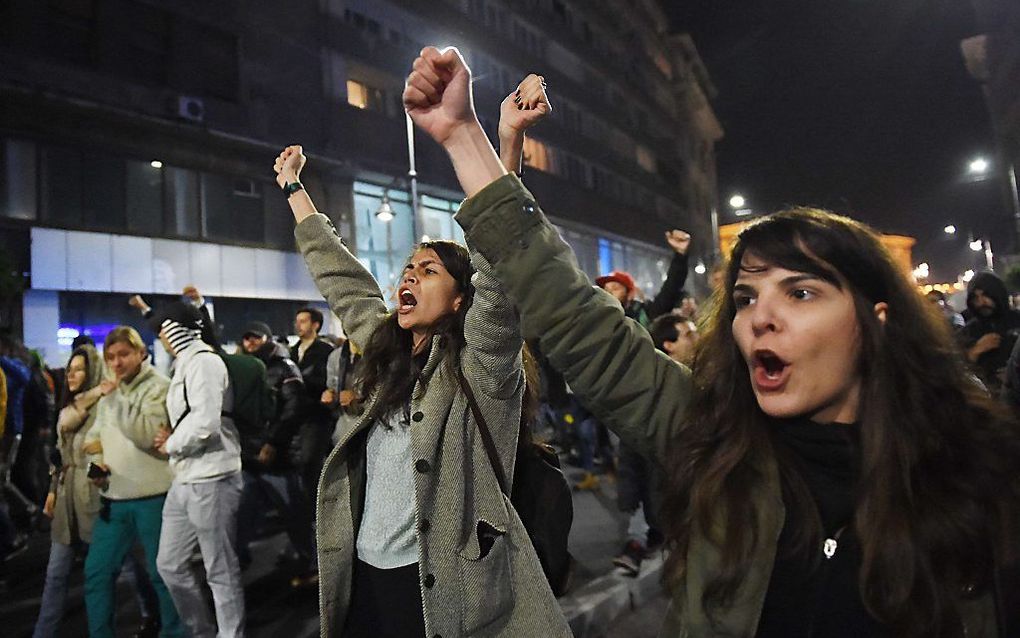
{"x": 937, "y": 490}
{"x": 388, "y": 366}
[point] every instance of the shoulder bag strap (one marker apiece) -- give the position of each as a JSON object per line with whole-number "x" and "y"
{"x": 483, "y": 429}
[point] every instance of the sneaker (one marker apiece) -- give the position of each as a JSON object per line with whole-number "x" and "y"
{"x": 630, "y": 558}
{"x": 589, "y": 482}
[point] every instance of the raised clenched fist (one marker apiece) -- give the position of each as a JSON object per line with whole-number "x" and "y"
{"x": 437, "y": 94}
{"x": 679, "y": 241}
{"x": 524, "y": 107}
{"x": 289, "y": 164}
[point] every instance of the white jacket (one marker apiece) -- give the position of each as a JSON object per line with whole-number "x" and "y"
{"x": 204, "y": 445}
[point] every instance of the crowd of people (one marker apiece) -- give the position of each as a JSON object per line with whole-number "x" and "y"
{"x": 817, "y": 450}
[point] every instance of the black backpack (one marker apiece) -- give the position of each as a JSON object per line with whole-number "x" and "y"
{"x": 541, "y": 496}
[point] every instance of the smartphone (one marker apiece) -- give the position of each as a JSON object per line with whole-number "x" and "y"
{"x": 96, "y": 471}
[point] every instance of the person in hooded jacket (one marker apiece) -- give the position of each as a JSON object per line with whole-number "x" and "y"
{"x": 992, "y": 330}
{"x": 267, "y": 470}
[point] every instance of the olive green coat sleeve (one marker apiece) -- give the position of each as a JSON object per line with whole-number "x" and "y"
{"x": 608, "y": 360}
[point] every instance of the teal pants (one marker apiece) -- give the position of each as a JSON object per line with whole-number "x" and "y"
{"x": 112, "y": 538}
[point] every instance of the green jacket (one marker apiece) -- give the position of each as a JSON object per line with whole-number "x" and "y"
{"x": 611, "y": 364}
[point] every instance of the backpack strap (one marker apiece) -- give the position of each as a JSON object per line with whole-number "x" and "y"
{"x": 187, "y": 405}
{"x": 483, "y": 429}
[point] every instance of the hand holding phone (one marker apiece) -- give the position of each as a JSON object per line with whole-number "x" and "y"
{"x": 97, "y": 471}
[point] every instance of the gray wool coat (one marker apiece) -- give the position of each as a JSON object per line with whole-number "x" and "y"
{"x": 459, "y": 509}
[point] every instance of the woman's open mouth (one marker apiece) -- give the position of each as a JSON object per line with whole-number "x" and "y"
{"x": 406, "y": 301}
{"x": 769, "y": 372}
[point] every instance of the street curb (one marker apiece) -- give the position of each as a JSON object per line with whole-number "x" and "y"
{"x": 591, "y": 609}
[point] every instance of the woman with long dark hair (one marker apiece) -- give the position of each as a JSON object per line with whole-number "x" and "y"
{"x": 833, "y": 470}
{"x": 414, "y": 535}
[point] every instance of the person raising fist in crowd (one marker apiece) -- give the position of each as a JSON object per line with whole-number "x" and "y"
{"x": 828, "y": 445}
{"x": 432, "y": 546}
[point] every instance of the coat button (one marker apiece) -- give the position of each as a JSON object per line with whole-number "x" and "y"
{"x": 430, "y": 580}
{"x": 418, "y": 416}
{"x": 528, "y": 208}
{"x": 422, "y": 466}
{"x": 424, "y": 526}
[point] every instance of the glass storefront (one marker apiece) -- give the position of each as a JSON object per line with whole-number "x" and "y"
{"x": 384, "y": 246}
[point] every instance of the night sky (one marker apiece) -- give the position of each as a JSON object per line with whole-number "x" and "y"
{"x": 859, "y": 106}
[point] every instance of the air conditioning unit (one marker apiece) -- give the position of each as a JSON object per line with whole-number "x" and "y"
{"x": 190, "y": 108}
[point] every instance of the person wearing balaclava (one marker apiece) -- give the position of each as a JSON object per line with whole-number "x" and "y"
{"x": 205, "y": 455}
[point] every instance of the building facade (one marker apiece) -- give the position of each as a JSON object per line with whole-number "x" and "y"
{"x": 137, "y": 139}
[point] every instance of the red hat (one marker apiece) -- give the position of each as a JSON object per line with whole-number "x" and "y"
{"x": 619, "y": 277}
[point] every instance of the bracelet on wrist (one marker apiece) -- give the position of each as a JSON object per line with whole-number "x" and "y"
{"x": 292, "y": 187}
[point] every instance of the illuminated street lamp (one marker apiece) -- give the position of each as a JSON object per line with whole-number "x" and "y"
{"x": 156, "y": 164}
{"x": 737, "y": 201}
{"x": 978, "y": 166}
{"x": 967, "y": 276}
{"x": 385, "y": 212}
{"x": 976, "y": 245}
{"x": 949, "y": 230}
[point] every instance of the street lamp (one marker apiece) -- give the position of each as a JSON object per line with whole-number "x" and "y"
{"x": 385, "y": 212}
{"x": 737, "y": 201}
{"x": 976, "y": 245}
{"x": 978, "y": 166}
{"x": 949, "y": 230}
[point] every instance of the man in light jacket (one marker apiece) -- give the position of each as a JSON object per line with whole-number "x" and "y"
{"x": 120, "y": 443}
{"x": 205, "y": 456}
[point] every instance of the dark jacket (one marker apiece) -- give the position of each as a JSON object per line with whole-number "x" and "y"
{"x": 613, "y": 366}
{"x": 1004, "y": 321}
{"x": 313, "y": 371}
{"x": 283, "y": 376}
{"x": 645, "y": 312}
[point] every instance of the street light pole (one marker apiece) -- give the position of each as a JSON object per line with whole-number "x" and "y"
{"x": 412, "y": 176}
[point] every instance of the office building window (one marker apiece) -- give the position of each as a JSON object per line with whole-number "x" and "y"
{"x": 183, "y": 204}
{"x": 645, "y": 158}
{"x": 232, "y": 209}
{"x": 103, "y": 191}
{"x": 144, "y": 198}
{"x": 363, "y": 96}
{"x": 536, "y": 155}
{"x": 61, "y": 185}
{"x": 18, "y": 183}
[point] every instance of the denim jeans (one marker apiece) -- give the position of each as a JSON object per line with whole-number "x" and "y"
{"x": 54, "y": 597}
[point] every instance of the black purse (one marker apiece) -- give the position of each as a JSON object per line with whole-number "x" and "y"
{"x": 540, "y": 494}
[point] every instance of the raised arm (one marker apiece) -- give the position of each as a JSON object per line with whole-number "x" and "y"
{"x": 492, "y": 330}
{"x": 608, "y": 360}
{"x": 492, "y": 336}
{"x": 676, "y": 276}
{"x": 349, "y": 288}
{"x": 527, "y": 105}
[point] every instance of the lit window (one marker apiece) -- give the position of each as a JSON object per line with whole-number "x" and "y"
{"x": 536, "y": 155}
{"x": 645, "y": 158}
{"x": 357, "y": 94}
